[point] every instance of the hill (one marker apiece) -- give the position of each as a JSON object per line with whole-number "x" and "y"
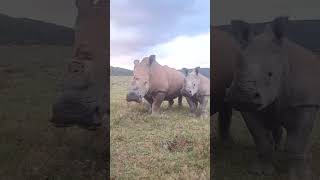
{"x": 28, "y": 31}
{"x": 116, "y": 71}
{"x": 203, "y": 71}
{"x": 303, "y": 32}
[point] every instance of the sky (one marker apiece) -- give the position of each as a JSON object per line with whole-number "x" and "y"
{"x": 177, "y": 32}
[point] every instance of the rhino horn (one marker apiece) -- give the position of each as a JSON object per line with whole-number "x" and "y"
{"x": 242, "y": 31}
{"x": 152, "y": 59}
{"x": 279, "y": 25}
{"x": 197, "y": 70}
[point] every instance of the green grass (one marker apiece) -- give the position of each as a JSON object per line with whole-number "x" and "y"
{"x": 173, "y": 145}
{"x": 232, "y": 162}
{"x": 30, "y": 148}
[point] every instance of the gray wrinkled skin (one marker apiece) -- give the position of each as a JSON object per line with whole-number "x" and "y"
{"x": 274, "y": 87}
{"x": 196, "y": 89}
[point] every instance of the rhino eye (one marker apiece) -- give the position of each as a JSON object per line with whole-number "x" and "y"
{"x": 270, "y": 74}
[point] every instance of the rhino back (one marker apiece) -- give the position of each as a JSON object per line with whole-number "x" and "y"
{"x": 225, "y": 50}
{"x": 158, "y": 78}
{"x": 303, "y": 85}
{"x": 175, "y": 81}
{"x": 204, "y": 88}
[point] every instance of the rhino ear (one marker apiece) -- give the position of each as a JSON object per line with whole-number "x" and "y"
{"x": 152, "y": 59}
{"x": 279, "y": 26}
{"x": 242, "y": 31}
{"x": 197, "y": 70}
{"x": 135, "y": 62}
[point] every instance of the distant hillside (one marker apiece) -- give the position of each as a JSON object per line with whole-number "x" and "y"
{"x": 303, "y": 32}
{"x": 116, "y": 71}
{"x": 203, "y": 71}
{"x": 28, "y": 31}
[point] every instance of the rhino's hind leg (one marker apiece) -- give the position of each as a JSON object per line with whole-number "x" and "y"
{"x": 301, "y": 122}
{"x": 157, "y": 101}
{"x": 180, "y": 101}
{"x": 264, "y": 144}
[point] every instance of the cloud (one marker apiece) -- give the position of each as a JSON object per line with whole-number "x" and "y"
{"x": 137, "y": 25}
{"x": 182, "y": 51}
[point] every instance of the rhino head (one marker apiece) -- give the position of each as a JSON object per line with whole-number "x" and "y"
{"x": 140, "y": 83}
{"x": 261, "y": 69}
{"x": 191, "y": 82}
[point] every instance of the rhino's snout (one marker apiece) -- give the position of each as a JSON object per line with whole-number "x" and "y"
{"x": 133, "y": 96}
{"x": 70, "y": 111}
{"x": 243, "y": 100}
{"x": 186, "y": 92}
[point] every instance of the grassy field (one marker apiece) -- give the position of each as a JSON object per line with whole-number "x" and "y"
{"x": 173, "y": 145}
{"x": 30, "y": 148}
{"x": 231, "y": 162}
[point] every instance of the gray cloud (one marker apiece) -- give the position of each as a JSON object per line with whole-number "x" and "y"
{"x": 150, "y": 22}
{"x": 258, "y": 11}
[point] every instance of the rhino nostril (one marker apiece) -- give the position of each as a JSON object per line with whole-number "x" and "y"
{"x": 257, "y": 95}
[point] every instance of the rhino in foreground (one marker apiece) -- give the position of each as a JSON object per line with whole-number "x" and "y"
{"x": 196, "y": 89}
{"x": 83, "y": 98}
{"x": 155, "y": 83}
{"x": 275, "y": 86}
{"x": 226, "y": 51}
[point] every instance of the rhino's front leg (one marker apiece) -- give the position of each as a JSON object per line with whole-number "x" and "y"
{"x": 299, "y": 124}
{"x": 150, "y": 101}
{"x": 203, "y": 105}
{"x": 192, "y": 104}
{"x": 224, "y": 118}
{"x": 180, "y": 101}
{"x": 171, "y": 102}
{"x": 157, "y": 100}
{"x": 264, "y": 143}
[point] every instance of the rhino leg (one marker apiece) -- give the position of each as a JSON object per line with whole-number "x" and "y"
{"x": 157, "y": 101}
{"x": 150, "y": 101}
{"x": 171, "y": 101}
{"x": 277, "y": 136}
{"x": 192, "y": 104}
{"x": 299, "y": 125}
{"x": 264, "y": 143}
{"x": 180, "y": 101}
{"x": 203, "y": 105}
{"x": 224, "y": 123}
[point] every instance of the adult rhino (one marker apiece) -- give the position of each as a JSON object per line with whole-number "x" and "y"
{"x": 155, "y": 83}
{"x": 226, "y": 52}
{"x": 196, "y": 89}
{"x": 83, "y": 99}
{"x": 275, "y": 85}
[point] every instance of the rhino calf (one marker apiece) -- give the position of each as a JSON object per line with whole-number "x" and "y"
{"x": 196, "y": 89}
{"x": 155, "y": 83}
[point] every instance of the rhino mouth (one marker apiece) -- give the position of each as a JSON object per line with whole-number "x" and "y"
{"x": 186, "y": 93}
{"x": 73, "y": 113}
{"x": 133, "y": 97}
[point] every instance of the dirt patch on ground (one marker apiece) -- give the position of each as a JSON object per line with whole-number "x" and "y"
{"x": 178, "y": 144}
